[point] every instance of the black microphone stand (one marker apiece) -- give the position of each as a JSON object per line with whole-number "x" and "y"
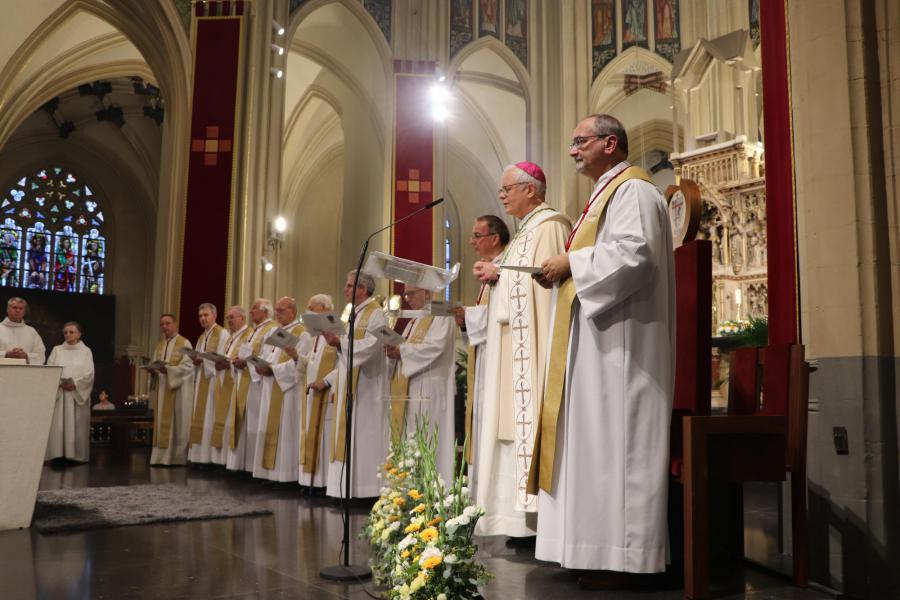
{"x": 345, "y": 571}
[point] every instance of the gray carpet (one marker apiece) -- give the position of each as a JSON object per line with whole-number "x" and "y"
{"x": 92, "y": 508}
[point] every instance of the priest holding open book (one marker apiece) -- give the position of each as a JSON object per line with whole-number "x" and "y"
{"x": 174, "y": 387}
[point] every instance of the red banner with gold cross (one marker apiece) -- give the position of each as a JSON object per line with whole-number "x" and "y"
{"x": 413, "y": 159}
{"x": 206, "y": 256}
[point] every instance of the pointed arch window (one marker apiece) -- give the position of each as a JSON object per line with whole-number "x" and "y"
{"x": 52, "y": 234}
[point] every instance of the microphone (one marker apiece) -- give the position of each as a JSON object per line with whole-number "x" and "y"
{"x": 428, "y": 206}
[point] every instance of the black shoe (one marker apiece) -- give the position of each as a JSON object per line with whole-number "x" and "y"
{"x": 521, "y": 542}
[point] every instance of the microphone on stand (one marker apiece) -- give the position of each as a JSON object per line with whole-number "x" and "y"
{"x": 346, "y": 571}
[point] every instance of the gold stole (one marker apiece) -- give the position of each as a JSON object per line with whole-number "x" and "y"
{"x": 240, "y": 395}
{"x": 276, "y": 403}
{"x": 400, "y": 383}
{"x": 544, "y": 453}
{"x": 483, "y": 298}
{"x": 203, "y": 387}
{"x": 311, "y": 432}
{"x": 224, "y": 392}
{"x": 162, "y": 433}
{"x": 339, "y": 427}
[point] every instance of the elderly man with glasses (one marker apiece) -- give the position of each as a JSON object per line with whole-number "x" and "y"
{"x": 518, "y": 328}
{"x": 602, "y": 460}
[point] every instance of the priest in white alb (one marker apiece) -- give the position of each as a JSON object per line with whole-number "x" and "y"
{"x": 317, "y": 412}
{"x": 369, "y": 426}
{"x": 174, "y": 392}
{"x": 602, "y": 460}
{"x": 18, "y": 340}
{"x": 213, "y": 339}
{"x": 518, "y": 330}
{"x": 70, "y": 430}
{"x": 489, "y": 238}
{"x": 248, "y": 385}
{"x": 277, "y": 455}
{"x": 423, "y": 379}
{"x": 225, "y": 427}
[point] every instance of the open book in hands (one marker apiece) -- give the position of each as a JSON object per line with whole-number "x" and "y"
{"x": 319, "y": 323}
{"x": 281, "y": 338}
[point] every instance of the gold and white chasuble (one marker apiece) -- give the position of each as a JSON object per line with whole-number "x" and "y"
{"x": 277, "y": 455}
{"x": 518, "y": 334}
{"x": 370, "y": 410}
{"x": 206, "y": 399}
{"x": 248, "y": 385}
{"x": 316, "y": 416}
{"x": 230, "y": 418}
{"x": 172, "y": 403}
{"x": 424, "y": 385}
{"x": 603, "y": 458}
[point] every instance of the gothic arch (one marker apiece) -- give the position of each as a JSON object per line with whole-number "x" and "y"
{"x": 454, "y": 69}
{"x": 615, "y": 71}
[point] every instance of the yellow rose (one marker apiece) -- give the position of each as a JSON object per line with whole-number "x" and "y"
{"x": 435, "y": 521}
{"x": 393, "y": 518}
{"x": 419, "y": 508}
{"x": 415, "y": 494}
{"x": 431, "y": 562}
{"x": 399, "y": 501}
{"x": 405, "y": 554}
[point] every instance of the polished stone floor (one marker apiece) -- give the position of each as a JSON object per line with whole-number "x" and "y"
{"x": 275, "y": 557}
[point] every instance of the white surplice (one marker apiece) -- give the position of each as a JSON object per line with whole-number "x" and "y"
{"x": 290, "y": 380}
{"x": 608, "y": 505}
{"x": 204, "y": 452}
{"x": 370, "y": 425}
{"x": 20, "y": 335}
{"x": 241, "y": 457}
{"x": 519, "y": 333}
{"x": 180, "y": 379}
{"x": 431, "y": 369}
{"x": 319, "y": 477}
{"x": 477, "y": 318}
{"x": 70, "y": 430}
{"x": 231, "y": 351}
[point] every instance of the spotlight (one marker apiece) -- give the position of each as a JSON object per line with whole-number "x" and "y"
{"x": 279, "y": 30}
{"x": 442, "y": 78}
{"x": 266, "y": 263}
{"x": 439, "y": 113}
{"x": 439, "y": 94}
{"x": 280, "y": 224}
{"x": 278, "y": 49}
{"x": 277, "y": 72}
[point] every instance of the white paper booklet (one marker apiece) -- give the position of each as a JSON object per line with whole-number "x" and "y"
{"x": 388, "y": 336}
{"x": 319, "y": 323}
{"x": 156, "y": 364}
{"x": 281, "y": 338}
{"x": 443, "y": 309}
{"x": 257, "y": 361}
{"x": 214, "y": 357}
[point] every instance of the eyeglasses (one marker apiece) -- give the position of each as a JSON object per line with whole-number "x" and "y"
{"x": 478, "y": 236}
{"x": 504, "y": 190}
{"x": 580, "y": 141}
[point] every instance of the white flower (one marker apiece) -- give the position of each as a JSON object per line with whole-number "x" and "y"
{"x": 409, "y": 540}
{"x": 464, "y": 491}
{"x": 463, "y": 519}
{"x": 442, "y": 597}
{"x": 450, "y": 559}
{"x": 428, "y": 553}
{"x": 378, "y": 475}
{"x": 409, "y": 463}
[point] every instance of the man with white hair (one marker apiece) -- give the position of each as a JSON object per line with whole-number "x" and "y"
{"x": 224, "y": 431}
{"x": 213, "y": 339}
{"x": 369, "y": 427}
{"x": 248, "y": 385}
{"x": 18, "y": 340}
{"x": 518, "y": 334}
{"x": 316, "y": 414}
{"x": 277, "y": 456}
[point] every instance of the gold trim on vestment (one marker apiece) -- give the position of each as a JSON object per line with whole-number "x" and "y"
{"x": 276, "y": 406}
{"x": 400, "y": 383}
{"x": 243, "y": 389}
{"x": 225, "y": 393}
{"x": 311, "y": 431}
{"x": 339, "y": 427}
{"x": 203, "y": 387}
{"x": 163, "y": 432}
{"x": 544, "y": 453}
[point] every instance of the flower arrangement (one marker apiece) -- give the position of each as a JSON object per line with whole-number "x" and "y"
{"x": 741, "y": 334}
{"x": 420, "y": 531}
{"x": 727, "y": 328}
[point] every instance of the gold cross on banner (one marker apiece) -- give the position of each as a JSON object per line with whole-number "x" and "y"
{"x": 211, "y": 146}
{"x": 413, "y": 186}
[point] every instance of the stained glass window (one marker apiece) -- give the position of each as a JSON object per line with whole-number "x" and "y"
{"x": 52, "y": 234}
